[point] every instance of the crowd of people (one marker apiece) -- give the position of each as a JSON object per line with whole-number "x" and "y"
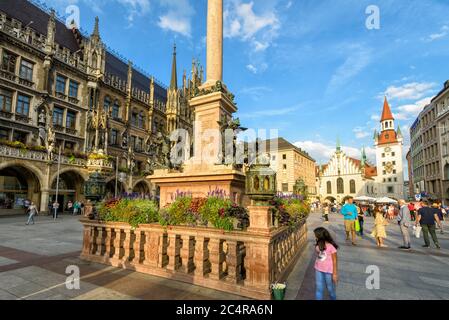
{"x": 422, "y": 216}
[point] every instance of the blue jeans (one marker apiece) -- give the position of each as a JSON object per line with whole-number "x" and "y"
{"x": 30, "y": 218}
{"x": 323, "y": 280}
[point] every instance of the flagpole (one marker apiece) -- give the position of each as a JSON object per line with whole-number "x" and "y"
{"x": 57, "y": 182}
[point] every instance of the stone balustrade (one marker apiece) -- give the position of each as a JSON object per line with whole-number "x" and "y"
{"x": 238, "y": 262}
{"x": 7, "y": 151}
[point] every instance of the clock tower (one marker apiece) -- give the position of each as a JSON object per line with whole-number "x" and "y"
{"x": 389, "y": 144}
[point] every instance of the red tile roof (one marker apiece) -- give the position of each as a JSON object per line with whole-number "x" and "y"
{"x": 386, "y": 112}
{"x": 387, "y": 137}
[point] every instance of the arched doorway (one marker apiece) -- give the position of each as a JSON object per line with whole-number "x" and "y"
{"x": 142, "y": 188}
{"x": 19, "y": 185}
{"x": 110, "y": 188}
{"x": 70, "y": 188}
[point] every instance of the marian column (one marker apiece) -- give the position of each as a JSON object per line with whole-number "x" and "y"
{"x": 214, "y": 41}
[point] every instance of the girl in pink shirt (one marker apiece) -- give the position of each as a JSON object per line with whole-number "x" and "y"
{"x": 326, "y": 272}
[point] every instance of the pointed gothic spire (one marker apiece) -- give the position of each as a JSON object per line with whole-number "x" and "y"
{"x": 96, "y": 32}
{"x": 386, "y": 112}
{"x": 338, "y": 144}
{"x": 174, "y": 71}
{"x": 399, "y": 132}
{"x": 363, "y": 162}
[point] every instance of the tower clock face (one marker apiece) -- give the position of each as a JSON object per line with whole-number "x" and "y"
{"x": 389, "y": 167}
{"x": 388, "y": 149}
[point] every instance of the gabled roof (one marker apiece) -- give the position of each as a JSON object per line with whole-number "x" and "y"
{"x": 283, "y": 144}
{"x": 386, "y": 112}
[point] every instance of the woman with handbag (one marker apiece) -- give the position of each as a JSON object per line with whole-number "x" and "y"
{"x": 379, "y": 232}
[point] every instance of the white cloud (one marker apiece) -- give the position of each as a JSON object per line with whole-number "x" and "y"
{"x": 256, "y": 93}
{"x": 411, "y": 111}
{"x": 409, "y": 91}
{"x": 358, "y": 58}
{"x": 322, "y": 152}
{"x": 135, "y": 8}
{"x": 375, "y": 117}
{"x": 289, "y": 5}
{"x": 257, "y": 69}
{"x": 444, "y": 31}
{"x": 178, "y": 17}
{"x": 242, "y": 22}
{"x": 360, "y": 133}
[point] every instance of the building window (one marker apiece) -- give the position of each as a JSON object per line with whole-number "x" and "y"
{"x": 58, "y": 115}
{"x": 106, "y": 103}
{"x": 284, "y": 157}
{"x": 134, "y": 119}
{"x": 352, "y": 186}
{"x": 133, "y": 142}
{"x": 116, "y": 110}
{"x": 273, "y": 158}
{"x": 68, "y": 145}
{"x": 141, "y": 120}
{"x": 26, "y": 70}
{"x": 383, "y": 155}
{"x": 9, "y": 61}
{"x": 23, "y": 105}
{"x": 5, "y": 100}
{"x": 60, "y": 84}
{"x": 285, "y": 187}
{"x": 20, "y": 136}
{"x": 71, "y": 120}
{"x": 394, "y": 171}
{"x": 4, "y": 134}
{"x": 329, "y": 187}
{"x": 284, "y": 167}
{"x": 73, "y": 89}
{"x": 139, "y": 144}
{"x": 114, "y": 137}
{"x": 390, "y": 190}
{"x": 393, "y": 154}
{"x": 340, "y": 186}
{"x": 384, "y": 172}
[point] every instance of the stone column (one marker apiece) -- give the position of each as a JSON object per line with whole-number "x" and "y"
{"x": 44, "y": 201}
{"x": 214, "y": 41}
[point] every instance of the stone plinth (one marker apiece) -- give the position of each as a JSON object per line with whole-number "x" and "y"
{"x": 261, "y": 219}
{"x": 199, "y": 180}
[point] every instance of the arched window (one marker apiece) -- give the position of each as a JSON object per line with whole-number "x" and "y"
{"x": 329, "y": 187}
{"x": 340, "y": 186}
{"x": 352, "y": 186}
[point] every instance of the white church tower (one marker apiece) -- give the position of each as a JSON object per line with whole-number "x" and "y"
{"x": 389, "y": 145}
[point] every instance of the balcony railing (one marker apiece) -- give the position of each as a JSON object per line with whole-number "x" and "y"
{"x": 6, "y": 114}
{"x": 71, "y": 131}
{"x": 73, "y": 100}
{"x": 22, "y": 118}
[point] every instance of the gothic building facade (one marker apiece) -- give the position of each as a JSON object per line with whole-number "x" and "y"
{"x": 63, "y": 90}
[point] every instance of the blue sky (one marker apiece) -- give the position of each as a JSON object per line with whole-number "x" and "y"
{"x": 309, "y": 68}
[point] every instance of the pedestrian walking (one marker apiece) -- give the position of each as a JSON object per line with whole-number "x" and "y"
{"x": 326, "y": 213}
{"x": 440, "y": 213}
{"x": 32, "y": 211}
{"x": 349, "y": 212}
{"x": 361, "y": 218}
{"x": 82, "y": 208}
{"x": 70, "y": 206}
{"x": 411, "y": 209}
{"x": 55, "y": 210}
{"x": 404, "y": 221}
{"x": 326, "y": 264}
{"x": 427, "y": 218}
{"x": 379, "y": 232}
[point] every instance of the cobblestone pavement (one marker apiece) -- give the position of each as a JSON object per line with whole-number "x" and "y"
{"x": 33, "y": 262}
{"x": 406, "y": 275}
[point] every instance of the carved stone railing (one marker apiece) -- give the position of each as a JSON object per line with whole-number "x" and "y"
{"x": 7, "y": 151}
{"x": 242, "y": 263}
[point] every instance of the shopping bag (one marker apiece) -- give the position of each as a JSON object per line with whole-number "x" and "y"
{"x": 417, "y": 230}
{"x": 357, "y": 226}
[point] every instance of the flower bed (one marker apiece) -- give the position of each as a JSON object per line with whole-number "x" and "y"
{"x": 289, "y": 210}
{"x": 214, "y": 211}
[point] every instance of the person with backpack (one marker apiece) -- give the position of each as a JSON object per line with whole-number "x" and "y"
{"x": 427, "y": 217}
{"x": 32, "y": 211}
{"x": 326, "y": 264}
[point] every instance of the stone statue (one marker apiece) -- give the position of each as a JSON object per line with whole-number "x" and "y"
{"x": 42, "y": 120}
{"x": 50, "y": 143}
